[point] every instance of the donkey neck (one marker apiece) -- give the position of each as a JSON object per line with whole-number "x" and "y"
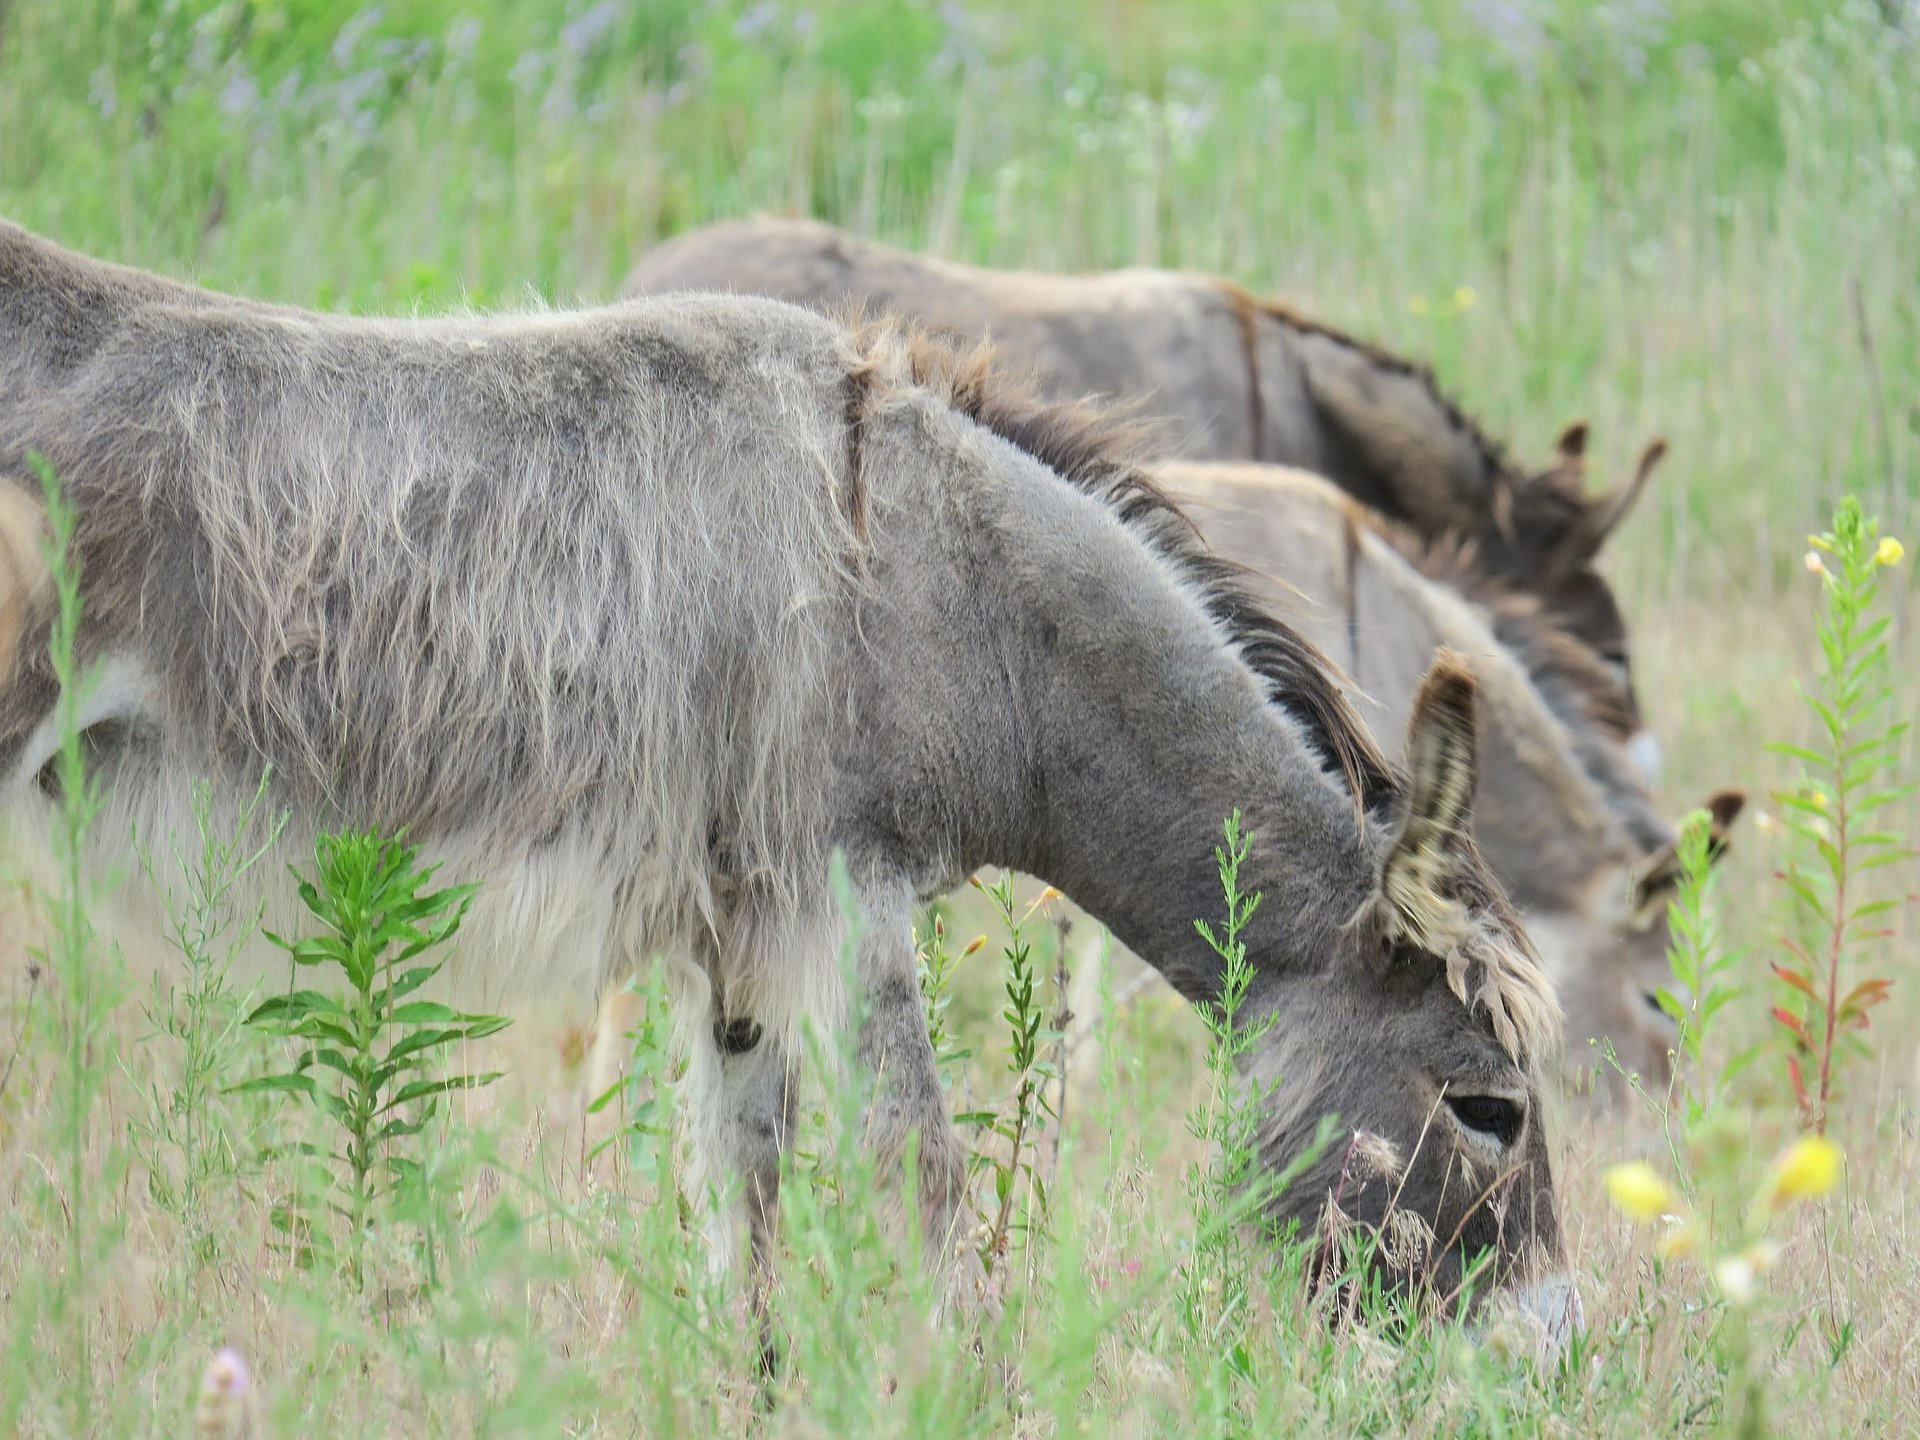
{"x": 58, "y": 308}
{"x": 1147, "y": 730}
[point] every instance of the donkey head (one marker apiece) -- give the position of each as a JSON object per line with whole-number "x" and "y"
{"x": 1424, "y": 1035}
{"x": 1611, "y": 967}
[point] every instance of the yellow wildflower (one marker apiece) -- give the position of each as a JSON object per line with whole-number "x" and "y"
{"x": 1638, "y": 1192}
{"x": 1889, "y": 551}
{"x": 1419, "y": 305}
{"x": 1464, "y": 297}
{"x": 1809, "y": 1168}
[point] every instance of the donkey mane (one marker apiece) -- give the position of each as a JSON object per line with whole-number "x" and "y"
{"x": 1571, "y": 677}
{"x": 1104, "y": 452}
{"x": 1545, "y": 500}
{"x": 1572, "y": 681}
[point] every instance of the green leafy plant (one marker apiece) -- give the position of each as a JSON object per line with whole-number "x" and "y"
{"x": 1232, "y": 1189}
{"x": 1020, "y": 1122}
{"x": 1216, "y": 1282}
{"x": 1705, "y": 971}
{"x": 936, "y": 965}
{"x": 1836, "y": 816}
{"x": 371, "y": 1057}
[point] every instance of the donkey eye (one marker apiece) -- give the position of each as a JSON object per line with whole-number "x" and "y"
{"x": 1490, "y": 1115}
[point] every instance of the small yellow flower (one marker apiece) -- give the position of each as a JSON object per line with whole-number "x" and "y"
{"x": 1464, "y": 297}
{"x": 1815, "y": 565}
{"x": 1638, "y": 1192}
{"x": 1889, "y": 551}
{"x": 1809, "y": 1168}
{"x": 1419, "y": 305}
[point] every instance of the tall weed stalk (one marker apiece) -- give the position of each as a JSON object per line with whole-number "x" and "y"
{"x": 1031, "y": 1061}
{"x": 1838, "y": 815}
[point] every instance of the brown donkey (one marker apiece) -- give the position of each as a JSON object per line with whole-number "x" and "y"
{"x": 636, "y": 616}
{"x": 1571, "y": 830}
{"x": 1234, "y": 378}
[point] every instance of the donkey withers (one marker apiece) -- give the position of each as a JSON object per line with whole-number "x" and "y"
{"x": 635, "y": 616}
{"x": 1569, "y": 829}
{"x": 1236, "y": 378}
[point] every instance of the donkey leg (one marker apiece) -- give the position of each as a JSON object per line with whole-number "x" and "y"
{"x": 907, "y": 1100}
{"x": 758, "y": 1088}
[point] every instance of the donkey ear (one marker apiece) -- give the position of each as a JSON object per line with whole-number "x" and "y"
{"x": 1415, "y": 877}
{"x": 1723, "y": 808}
{"x": 1571, "y": 447}
{"x": 1603, "y": 515}
{"x": 1661, "y": 869}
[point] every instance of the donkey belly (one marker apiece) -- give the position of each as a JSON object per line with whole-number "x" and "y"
{"x": 550, "y": 923}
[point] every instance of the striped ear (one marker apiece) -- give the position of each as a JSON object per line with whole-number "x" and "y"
{"x": 1416, "y": 878}
{"x": 23, "y": 566}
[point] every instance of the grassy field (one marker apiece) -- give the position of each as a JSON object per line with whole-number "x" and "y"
{"x": 1700, "y": 220}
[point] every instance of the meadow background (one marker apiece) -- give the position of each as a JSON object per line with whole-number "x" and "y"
{"x": 1699, "y": 220}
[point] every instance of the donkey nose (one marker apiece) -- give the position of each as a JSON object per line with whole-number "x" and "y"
{"x": 1552, "y": 1311}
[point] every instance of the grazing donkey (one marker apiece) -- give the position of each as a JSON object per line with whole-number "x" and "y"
{"x": 1238, "y": 378}
{"x": 1569, "y": 829}
{"x": 636, "y": 615}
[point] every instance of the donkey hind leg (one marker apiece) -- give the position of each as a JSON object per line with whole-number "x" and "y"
{"x": 907, "y": 1101}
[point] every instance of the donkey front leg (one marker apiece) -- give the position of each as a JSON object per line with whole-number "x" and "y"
{"x": 757, "y": 1086}
{"x": 907, "y": 1100}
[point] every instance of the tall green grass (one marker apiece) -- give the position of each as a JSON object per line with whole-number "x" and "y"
{"x": 1692, "y": 219}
